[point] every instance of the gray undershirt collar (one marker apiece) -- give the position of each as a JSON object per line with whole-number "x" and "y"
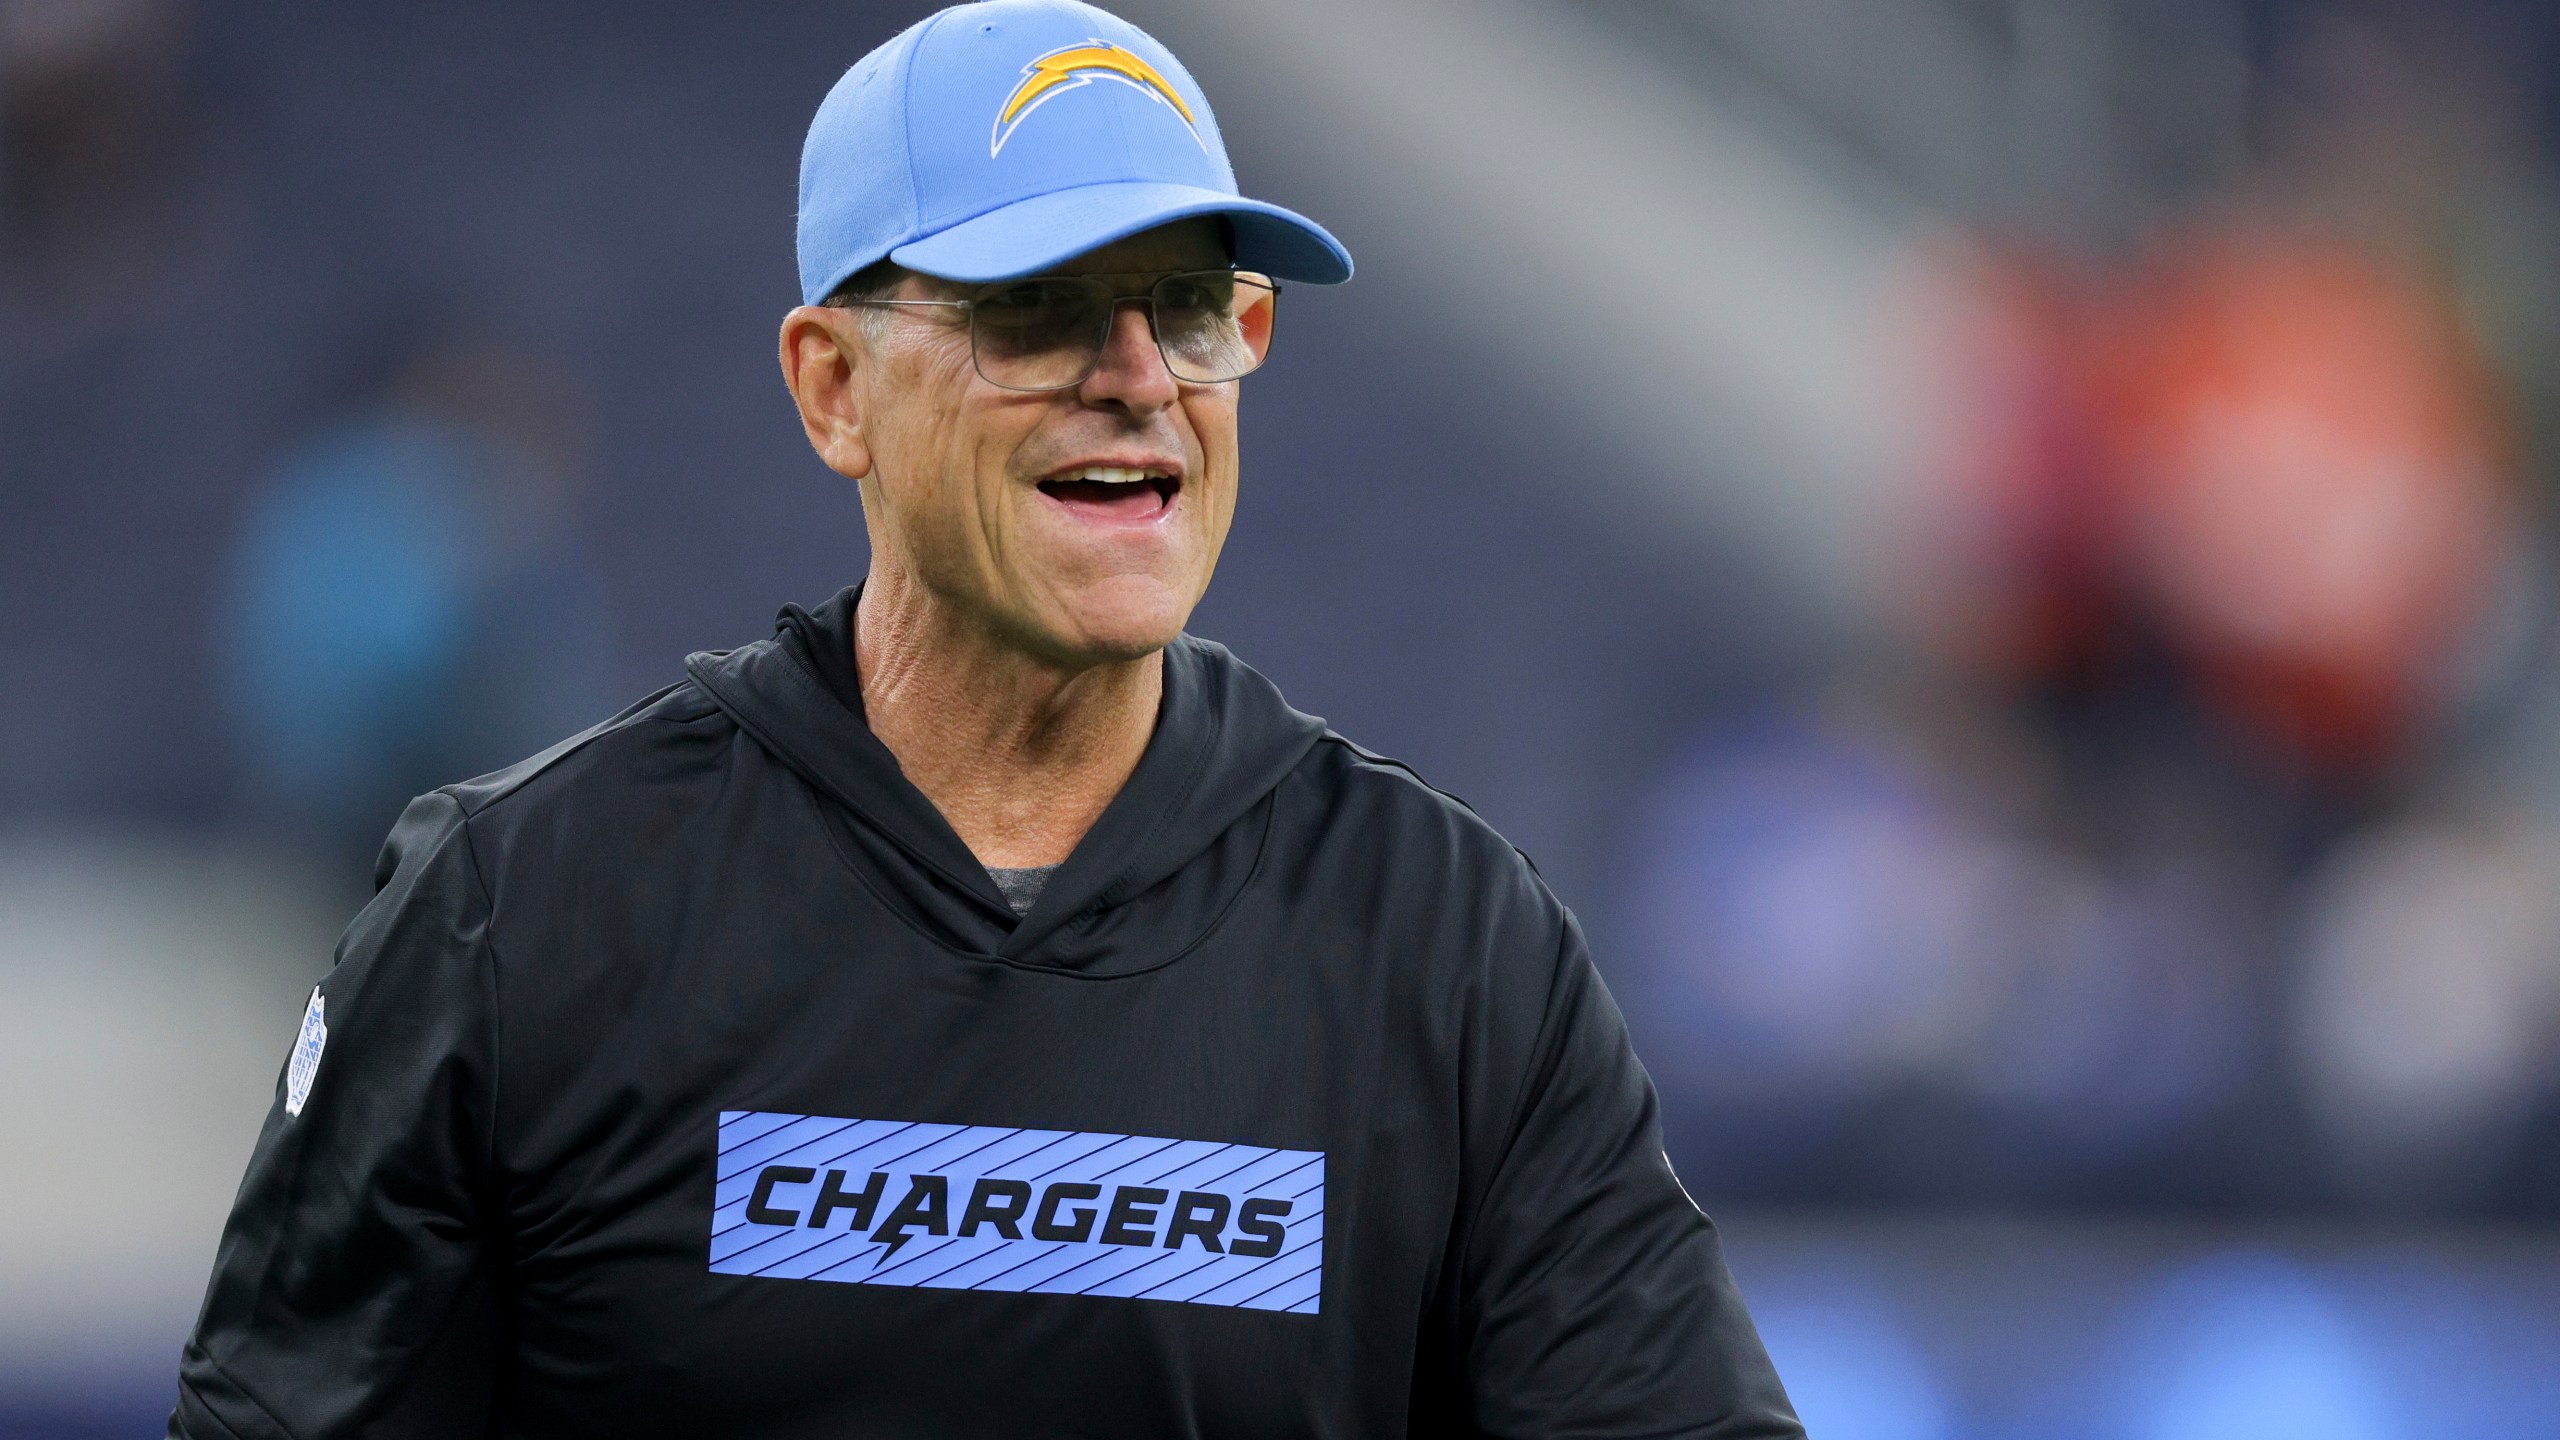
{"x": 1021, "y": 886}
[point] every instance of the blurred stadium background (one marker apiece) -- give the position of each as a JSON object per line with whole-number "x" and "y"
{"x": 2000, "y": 552}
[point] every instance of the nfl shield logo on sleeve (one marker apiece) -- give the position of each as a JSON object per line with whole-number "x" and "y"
{"x": 306, "y": 1053}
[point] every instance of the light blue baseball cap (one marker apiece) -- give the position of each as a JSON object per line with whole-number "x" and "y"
{"x": 999, "y": 139}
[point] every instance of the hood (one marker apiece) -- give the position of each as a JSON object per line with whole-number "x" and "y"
{"x": 1182, "y": 836}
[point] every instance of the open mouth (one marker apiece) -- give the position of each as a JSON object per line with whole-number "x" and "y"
{"x": 1112, "y": 492}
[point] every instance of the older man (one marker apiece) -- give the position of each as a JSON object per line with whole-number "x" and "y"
{"x": 980, "y": 1009}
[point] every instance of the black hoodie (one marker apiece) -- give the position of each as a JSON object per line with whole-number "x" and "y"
{"x": 692, "y": 1079}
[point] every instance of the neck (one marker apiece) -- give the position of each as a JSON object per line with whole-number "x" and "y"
{"x": 1019, "y": 753}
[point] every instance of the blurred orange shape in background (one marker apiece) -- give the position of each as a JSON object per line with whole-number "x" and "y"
{"x": 2313, "y": 482}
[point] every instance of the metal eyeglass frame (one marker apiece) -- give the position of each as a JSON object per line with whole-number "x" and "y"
{"x": 1148, "y": 299}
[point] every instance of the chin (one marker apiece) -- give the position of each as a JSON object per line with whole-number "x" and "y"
{"x": 1121, "y": 620}
{"x": 1103, "y": 642}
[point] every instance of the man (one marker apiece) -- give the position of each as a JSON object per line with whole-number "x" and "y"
{"x": 980, "y": 1009}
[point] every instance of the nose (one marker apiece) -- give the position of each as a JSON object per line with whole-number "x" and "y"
{"x": 1131, "y": 375}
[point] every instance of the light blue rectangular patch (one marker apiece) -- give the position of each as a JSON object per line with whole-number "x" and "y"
{"x": 1048, "y": 1212}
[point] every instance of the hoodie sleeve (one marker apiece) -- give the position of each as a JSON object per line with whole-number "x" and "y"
{"x": 1597, "y": 1298}
{"x": 355, "y": 1289}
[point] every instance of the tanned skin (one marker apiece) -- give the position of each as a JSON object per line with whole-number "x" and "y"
{"x": 1010, "y": 636}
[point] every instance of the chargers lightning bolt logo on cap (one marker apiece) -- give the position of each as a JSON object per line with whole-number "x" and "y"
{"x": 1075, "y": 67}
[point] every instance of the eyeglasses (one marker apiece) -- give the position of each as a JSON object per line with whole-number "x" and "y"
{"x": 1048, "y": 333}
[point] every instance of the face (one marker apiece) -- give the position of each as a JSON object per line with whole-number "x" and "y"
{"x": 1079, "y": 525}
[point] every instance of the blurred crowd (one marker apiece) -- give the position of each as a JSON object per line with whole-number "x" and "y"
{"x": 2192, "y": 840}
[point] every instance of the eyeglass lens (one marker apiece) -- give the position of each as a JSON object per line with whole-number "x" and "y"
{"x": 1049, "y": 333}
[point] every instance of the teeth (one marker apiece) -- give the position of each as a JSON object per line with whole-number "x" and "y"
{"x": 1111, "y": 475}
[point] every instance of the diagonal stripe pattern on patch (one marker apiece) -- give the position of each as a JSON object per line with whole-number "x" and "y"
{"x": 1049, "y": 1212}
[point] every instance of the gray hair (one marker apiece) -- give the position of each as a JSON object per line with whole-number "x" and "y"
{"x": 876, "y": 281}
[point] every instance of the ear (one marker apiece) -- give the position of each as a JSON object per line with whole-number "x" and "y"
{"x": 822, "y": 361}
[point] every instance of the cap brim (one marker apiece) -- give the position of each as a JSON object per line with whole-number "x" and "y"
{"x": 1029, "y": 236}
